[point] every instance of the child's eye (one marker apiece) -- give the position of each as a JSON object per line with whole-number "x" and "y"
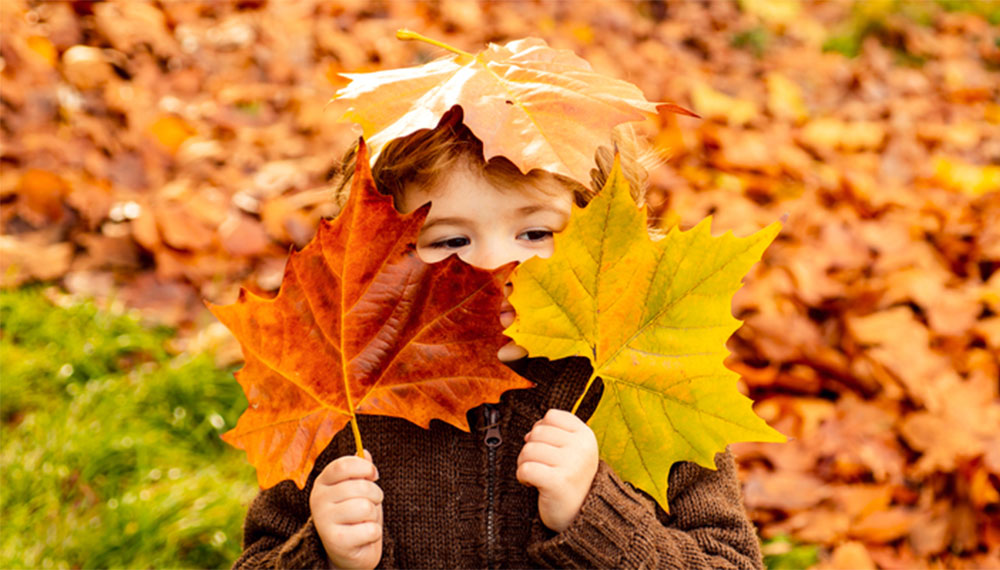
{"x": 450, "y": 243}
{"x": 535, "y": 235}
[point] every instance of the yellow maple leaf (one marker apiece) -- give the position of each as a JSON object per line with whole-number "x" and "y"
{"x": 653, "y": 318}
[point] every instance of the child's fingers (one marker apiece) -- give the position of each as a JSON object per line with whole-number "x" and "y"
{"x": 354, "y": 511}
{"x": 535, "y": 474}
{"x": 563, "y": 420}
{"x": 541, "y": 453}
{"x": 347, "y": 467}
{"x": 360, "y": 534}
{"x": 552, "y": 435}
{"x": 355, "y": 489}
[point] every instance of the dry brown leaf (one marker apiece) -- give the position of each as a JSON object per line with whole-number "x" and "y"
{"x": 884, "y": 526}
{"x": 243, "y": 235}
{"x": 86, "y": 67}
{"x": 851, "y": 555}
{"x": 180, "y": 228}
{"x": 23, "y": 260}
{"x": 830, "y": 133}
{"x": 40, "y": 197}
{"x": 775, "y": 491}
{"x": 715, "y": 105}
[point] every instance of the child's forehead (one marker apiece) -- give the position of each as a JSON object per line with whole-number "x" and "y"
{"x": 538, "y": 186}
{"x": 470, "y": 188}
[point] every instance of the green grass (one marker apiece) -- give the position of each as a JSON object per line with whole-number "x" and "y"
{"x": 783, "y": 553}
{"x": 110, "y": 447}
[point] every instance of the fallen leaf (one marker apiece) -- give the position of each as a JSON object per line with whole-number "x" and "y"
{"x": 850, "y": 556}
{"x": 22, "y": 260}
{"x": 785, "y": 491}
{"x": 170, "y": 132}
{"x": 653, "y": 319}
{"x": 830, "y": 133}
{"x": 43, "y": 48}
{"x": 243, "y": 235}
{"x": 180, "y": 228}
{"x": 960, "y": 176}
{"x": 85, "y": 67}
{"x": 361, "y": 325}
{"x": 981, "y": 490}
{"x": 884, "y": 526}
{"x": 778, "y": 13}
{"x": 784, "y": 99}
{"x": 168, "y": 302}
{"x": 813, "y": 525}
{"x": 718, "y": 106}
{"x": 40, "y": 197}
{"x": 931, "y": 532}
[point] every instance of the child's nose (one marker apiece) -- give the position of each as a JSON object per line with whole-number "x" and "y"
{"x": 491, "y": 256}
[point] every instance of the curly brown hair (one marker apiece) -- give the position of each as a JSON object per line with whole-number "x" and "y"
{"x": 423, "y": 156}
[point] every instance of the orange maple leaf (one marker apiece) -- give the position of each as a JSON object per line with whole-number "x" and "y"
{"x": 362, "y": 325}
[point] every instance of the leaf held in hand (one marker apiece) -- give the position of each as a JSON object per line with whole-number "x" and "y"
{"x": 653, "y": 317}
{"x": 362, "y": 325}
{"x": 539, "y": 107}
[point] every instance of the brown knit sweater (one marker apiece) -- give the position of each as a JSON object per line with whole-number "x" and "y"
{"x": 452, "y": 502}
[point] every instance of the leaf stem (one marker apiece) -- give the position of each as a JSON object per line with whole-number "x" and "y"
{"x": 357, "y": 435}
{"x": 411, "y": 35}
{"x": 586, "y": 389}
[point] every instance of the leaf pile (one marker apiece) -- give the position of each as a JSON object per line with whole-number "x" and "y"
{"x": 165, "y": 152}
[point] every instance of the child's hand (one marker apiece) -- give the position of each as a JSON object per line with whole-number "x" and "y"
{"x": 559, "y": 458}
{"x": 346, "y": 507}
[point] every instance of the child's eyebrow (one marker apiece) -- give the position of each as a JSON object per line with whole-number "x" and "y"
{"x": 532, "y": 208}
{"x": 452, "y": 220}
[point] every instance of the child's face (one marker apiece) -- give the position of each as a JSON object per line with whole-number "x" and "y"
{"x": 488, "y": 227}
{"x": 485, "y": 226}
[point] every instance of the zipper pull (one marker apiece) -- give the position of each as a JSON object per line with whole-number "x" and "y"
{"x": 491, "y": 417}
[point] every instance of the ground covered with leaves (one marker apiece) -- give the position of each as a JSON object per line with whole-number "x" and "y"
{"x": 158, "y": 154}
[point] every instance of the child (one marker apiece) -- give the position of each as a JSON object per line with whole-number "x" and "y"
{"x": 525, "y": 488}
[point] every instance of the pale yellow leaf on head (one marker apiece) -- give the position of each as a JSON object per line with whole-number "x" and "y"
{"x": 537, "y": 106}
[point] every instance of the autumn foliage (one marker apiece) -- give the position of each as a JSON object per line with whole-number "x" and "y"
{"x": 158, "y": 154}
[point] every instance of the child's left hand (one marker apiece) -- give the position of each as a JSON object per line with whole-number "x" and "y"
{"x": 559, "y": 459}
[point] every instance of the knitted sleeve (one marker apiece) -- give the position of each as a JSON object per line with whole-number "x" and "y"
{"x": 278, "y": 531}
{"x": 620, "y": 527}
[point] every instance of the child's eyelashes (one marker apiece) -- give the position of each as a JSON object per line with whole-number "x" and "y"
{"x": 535, "y": 235}
{"x": 450, "y": 243}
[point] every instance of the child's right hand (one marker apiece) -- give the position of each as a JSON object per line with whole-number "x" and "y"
{"x": 346, "y": 507}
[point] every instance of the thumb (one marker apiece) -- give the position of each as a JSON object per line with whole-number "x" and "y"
{"x": 368, "y": 457}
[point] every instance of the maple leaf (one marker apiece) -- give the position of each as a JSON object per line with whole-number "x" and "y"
{"x": 362, "y": 325}
{"x": 653, "y": 317}
{"x": 537, "y": 106}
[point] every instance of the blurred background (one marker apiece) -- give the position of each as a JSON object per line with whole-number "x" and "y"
{"x": 158, "y": 154}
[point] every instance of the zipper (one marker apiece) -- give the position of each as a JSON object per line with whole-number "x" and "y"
{"x": 491, "y": 420}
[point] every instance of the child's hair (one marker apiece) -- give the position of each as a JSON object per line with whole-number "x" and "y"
{"x": 420, "y": 158}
